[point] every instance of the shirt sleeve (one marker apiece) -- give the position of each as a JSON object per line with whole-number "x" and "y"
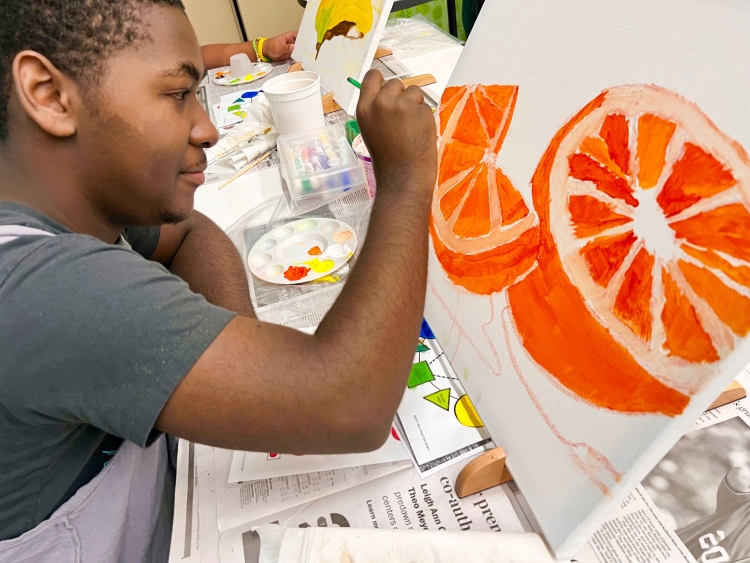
{"x": 96, "y": 334}
{"x": 144, "y": 240}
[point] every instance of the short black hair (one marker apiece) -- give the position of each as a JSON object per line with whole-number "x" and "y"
{"x": 77, "y": 36}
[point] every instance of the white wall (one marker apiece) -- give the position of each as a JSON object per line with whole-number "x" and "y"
{"x": 214, "y": 20}
{"x": 266, "y": 18}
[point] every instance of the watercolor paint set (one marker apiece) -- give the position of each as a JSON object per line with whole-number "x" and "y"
{"x": 302, "y": 251}
{"x": 224, "y": 76}
{"x": 318, "y": 161}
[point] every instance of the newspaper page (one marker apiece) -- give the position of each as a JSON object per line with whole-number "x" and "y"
{"x": 693, "y": 507}
{"x": 399, "y": 501}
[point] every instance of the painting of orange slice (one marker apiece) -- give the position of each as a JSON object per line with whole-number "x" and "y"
{"x": 483, "y": 233}
{"x": 643, "y": 281}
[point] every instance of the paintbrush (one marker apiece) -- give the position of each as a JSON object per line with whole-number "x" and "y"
{"x": 243, "y": 145}
{"x": 246, "y": 168}
{"x": 358, "y": 86}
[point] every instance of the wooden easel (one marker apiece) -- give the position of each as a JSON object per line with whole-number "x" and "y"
{"x": 489, "y": 470}
{"x": 329, "y": 105}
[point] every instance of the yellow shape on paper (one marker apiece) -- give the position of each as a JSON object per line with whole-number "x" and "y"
{"x": 467, "y": 414}
{"x": 320, "y": 266}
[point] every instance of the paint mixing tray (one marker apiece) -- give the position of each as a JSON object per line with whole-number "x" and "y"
{"x": 302, "y": 251}
{"x": 318, "y": 161}
{"x": 224, "y": 76}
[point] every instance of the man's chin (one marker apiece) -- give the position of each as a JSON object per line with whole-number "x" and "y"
{"x": 174, "y": 217}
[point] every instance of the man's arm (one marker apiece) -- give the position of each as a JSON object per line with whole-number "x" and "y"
{"x": 265, "y": 387}
{"x": 199, "y": 252}
{"x": 277, "y": 48}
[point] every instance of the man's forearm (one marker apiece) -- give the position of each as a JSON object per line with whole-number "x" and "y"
{"x": 210, "y": 264}
{"x": 216, "y": 56}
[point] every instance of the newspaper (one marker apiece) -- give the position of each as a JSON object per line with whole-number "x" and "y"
{"x": 399, "y": 501}
{"x": 693, "y": 507}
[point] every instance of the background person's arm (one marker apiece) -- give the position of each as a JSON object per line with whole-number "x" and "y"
{"x": 199, "y": 252}
{"x": 277, "y": 48}
{"x": 264, "y": 387}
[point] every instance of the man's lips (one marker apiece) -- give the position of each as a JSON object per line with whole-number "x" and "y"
{"x": 196, "y": 178}
{"x": 195, "y": 174}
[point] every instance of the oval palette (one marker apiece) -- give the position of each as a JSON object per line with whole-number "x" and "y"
{"x": 224, "y": 76}
{"x": 302, "y": 251}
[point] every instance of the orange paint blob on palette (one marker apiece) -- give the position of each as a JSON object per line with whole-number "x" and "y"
{"x": 296, "y": 273}
{"x": 302, "y": 251}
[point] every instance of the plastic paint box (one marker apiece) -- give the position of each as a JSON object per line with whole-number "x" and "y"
{"x": 318, "y": 161}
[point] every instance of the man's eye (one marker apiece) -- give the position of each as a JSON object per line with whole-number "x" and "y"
{"x": 181, "y": 95}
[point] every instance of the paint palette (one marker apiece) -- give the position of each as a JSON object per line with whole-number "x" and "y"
{"x": 302, "y": 251}
{"x": 224, "y": 76}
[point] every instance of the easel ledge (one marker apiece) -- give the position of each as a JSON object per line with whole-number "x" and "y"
{"x": 489, "y": 470}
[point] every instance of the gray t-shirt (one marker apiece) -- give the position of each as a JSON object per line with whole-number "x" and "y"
{"x": 94, "y": 339}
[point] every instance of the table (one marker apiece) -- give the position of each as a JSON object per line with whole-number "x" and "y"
{"x": 225, "y": 207}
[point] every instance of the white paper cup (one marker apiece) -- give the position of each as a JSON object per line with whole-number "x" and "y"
{"x": 360, "y": 149}
{"x": 295, "y": 101}
{"x": 241, "y": 65}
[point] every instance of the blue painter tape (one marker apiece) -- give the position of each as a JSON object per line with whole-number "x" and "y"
{"x": 426, "y": 331}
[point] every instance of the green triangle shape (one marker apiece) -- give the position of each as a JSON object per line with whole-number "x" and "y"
{"x": 441, "y": 398}
{"x": 422, "y": 348}
{"x": 420, "y": 373}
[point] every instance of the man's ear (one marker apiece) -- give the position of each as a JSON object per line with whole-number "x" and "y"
{"x": 45, "y": 93}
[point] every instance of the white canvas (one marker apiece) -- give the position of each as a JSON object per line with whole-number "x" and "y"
{"x": 550, "y": 391}
{"x": 338, "y": 39}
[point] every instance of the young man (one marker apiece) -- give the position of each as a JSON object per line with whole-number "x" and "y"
{"x": 103, "y": 348}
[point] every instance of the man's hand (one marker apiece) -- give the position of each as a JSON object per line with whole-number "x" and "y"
{"x": 280, "y": 48}
{"x": 399, "y": 130}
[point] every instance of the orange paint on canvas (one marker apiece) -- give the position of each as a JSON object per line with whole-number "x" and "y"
{"x": 464, "y": 211}
{"x": 724, "y": 229}
{"x": 458, "y": 157}
{"x": 605, "y": 255}
{"x": 492, "y": 115}
{"x": 585, "y": 168}
{"x": 451, "y": 96}
{"x": 453, "y": 198}
{"x": 686, "y": 338}
{"x": 491, "y": 271}
{"x": 469, "y": 129}
{"x": 654, "y": 134}
{"x": 563, "y": 338}
{"x": 474, "y": 217}
{"x": 739, "y": 274}
{"x": 731, "y": 307}
{"x": 591, "y": 216}
{"x": 596, "y": 148}
{"x": 615, "y": 133}
{"x": 512, "y": 206}
{"x": 695, "y": 176}
{"x": 633, "y": 302}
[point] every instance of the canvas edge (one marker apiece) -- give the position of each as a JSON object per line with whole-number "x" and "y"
{"x": 351, "y": 109}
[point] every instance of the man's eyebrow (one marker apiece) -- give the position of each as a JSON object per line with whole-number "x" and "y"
{"x": 184, "y": 68}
